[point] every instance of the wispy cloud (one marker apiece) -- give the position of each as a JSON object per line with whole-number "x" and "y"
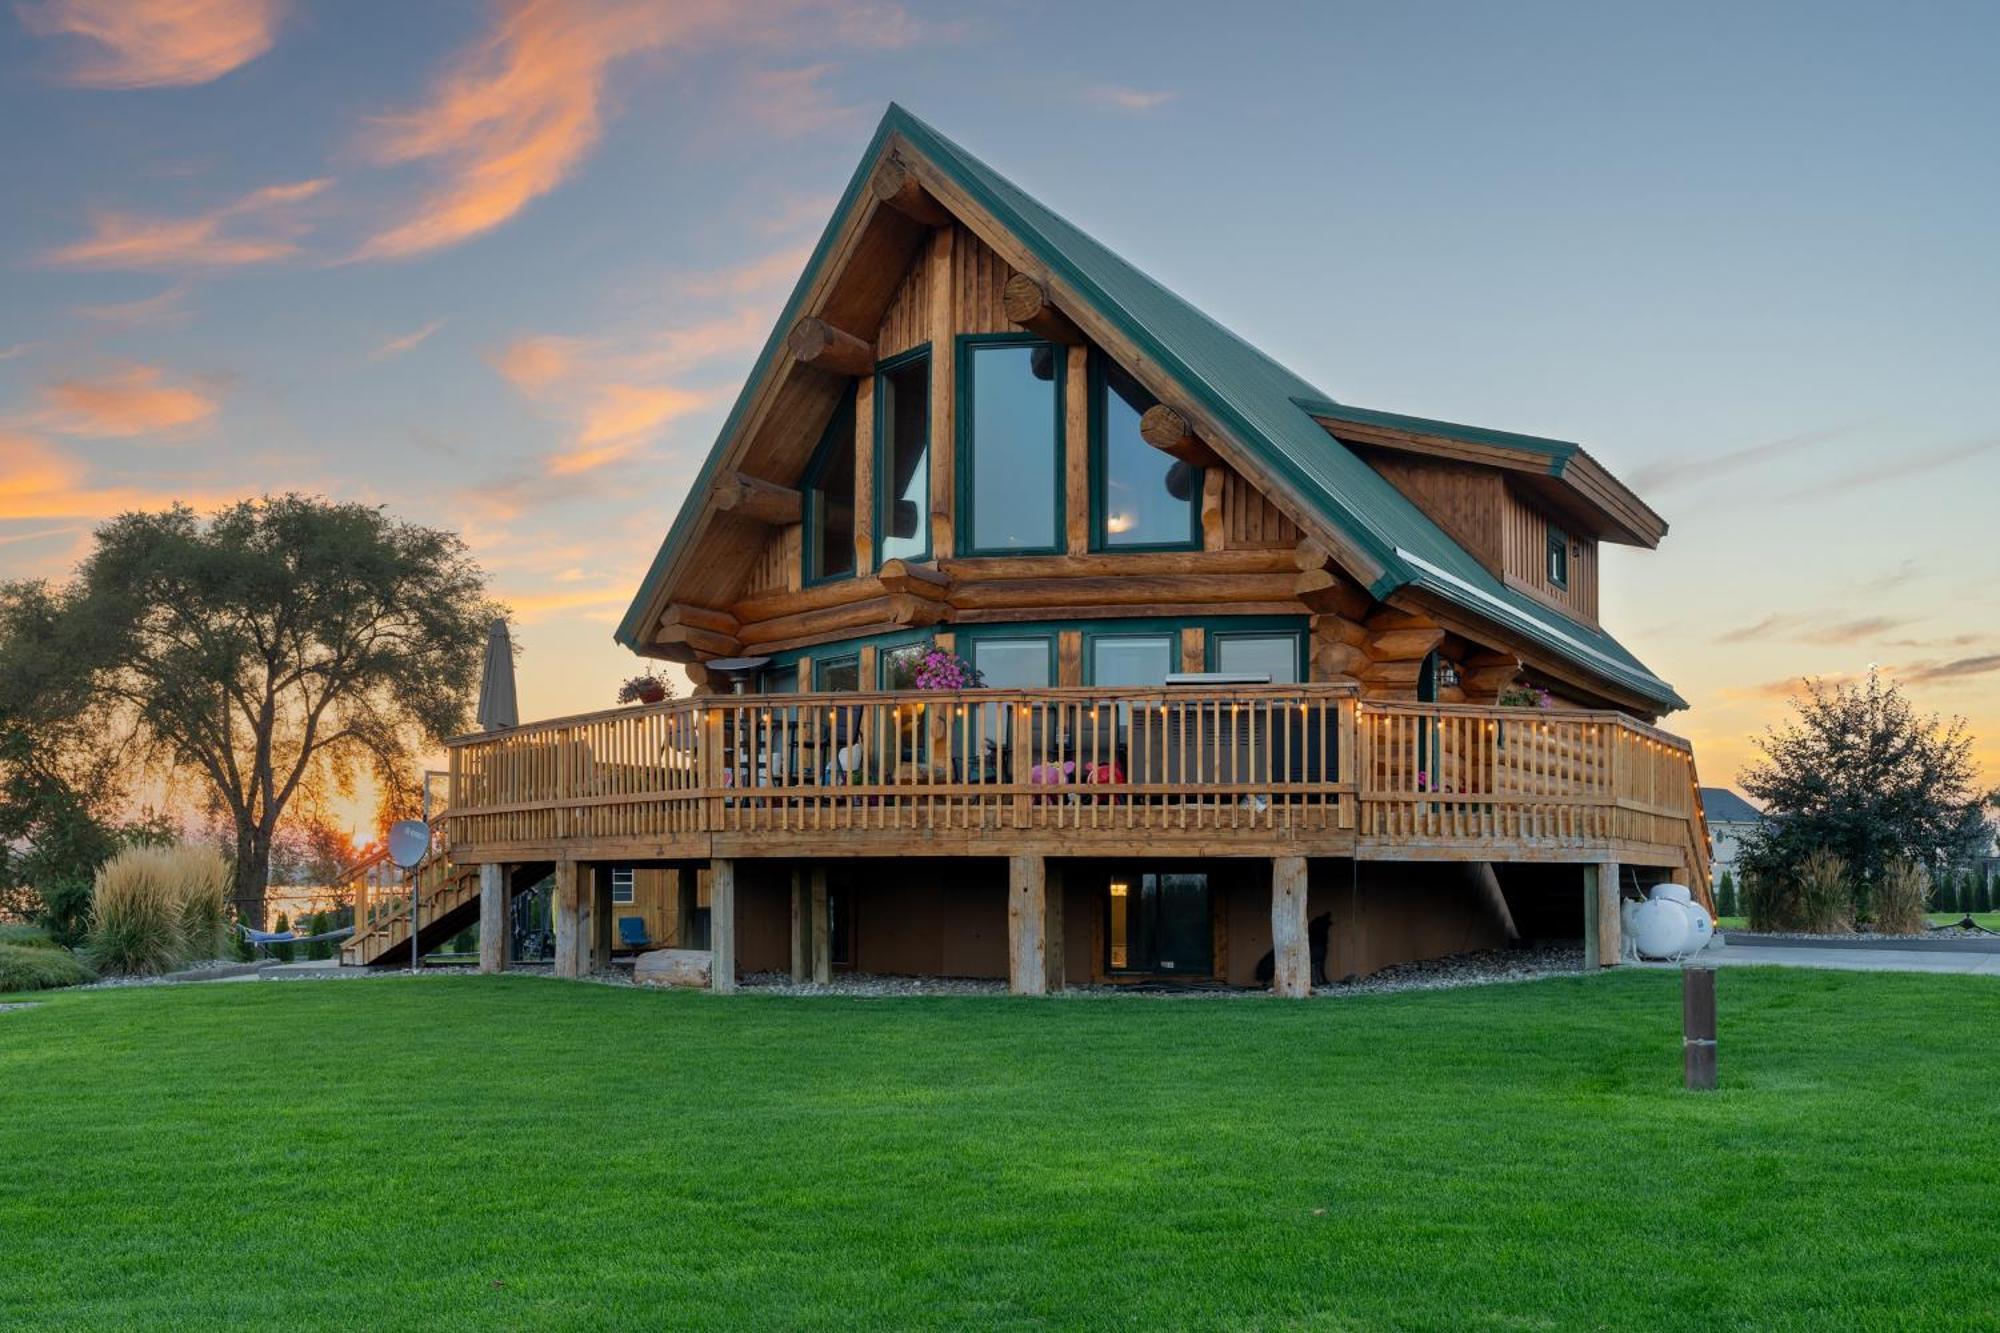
{"x": 156, "y": 43}
{"x": 255, "y": 229}
{"x": 17, "y": 349}
{"x": 1127, "y": 99}
{"x": 534, "y": 363}
{"x": 132, "y": 400}
{"x": 621, "y": 418}
{"x": 1799, "y": 628}
{"x": 1956, "y": 669}
{"x": 1669, "y": 474}
{"x": 400, "y": 345}
{"x": 512, "y": 117}
{"x": 39, "y": 481}
{"x": 1899, "y": 468}
{"x": 165, "y": 307}
{"x": 796, "y": 101}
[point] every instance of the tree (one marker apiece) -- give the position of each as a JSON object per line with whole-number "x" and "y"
{"x": 278, "y": 648}
{"x": 1725, "y": 895}
{"x": 1857, "y": 772}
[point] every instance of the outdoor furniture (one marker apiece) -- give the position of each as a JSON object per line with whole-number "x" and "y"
{"x": 632, "y": 933}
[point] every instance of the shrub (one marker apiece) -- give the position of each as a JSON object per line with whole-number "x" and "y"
{"x": 1725, "y": 895}
{"x": 34, "y": 967}
{"x": 1825, "y": 897}
{"x": 1944, "y": 893}
{"x": 26, "y": 937}
{"x": 156, "y": 907}
{"x": 1900, "y": 897}
{"x": 316, "y": 925}
{"x": 285, "y": 952}
{"x": 136, "y": 915}
{"x": 201, "y": 879}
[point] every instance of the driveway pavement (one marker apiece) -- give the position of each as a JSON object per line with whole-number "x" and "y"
{"x": 1852, "y": 959}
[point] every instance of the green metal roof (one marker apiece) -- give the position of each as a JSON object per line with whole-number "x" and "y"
{"x": 1258, "y": 400}
{"x": 1558, "y": 452}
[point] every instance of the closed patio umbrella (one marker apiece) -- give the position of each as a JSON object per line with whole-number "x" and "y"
{"x": 497, "y": 708}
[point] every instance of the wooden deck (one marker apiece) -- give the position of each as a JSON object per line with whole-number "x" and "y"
{"x": 1306, "y": 770}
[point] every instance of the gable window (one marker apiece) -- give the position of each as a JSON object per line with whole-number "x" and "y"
{"x": 1558, "y": 558}
{"x": 829, "y": 488}
{"x": 621, "y": 886}
{"x": 903, "y": 457}
{"x": 1010, "y": 433}
{"x": 1141, "y": 499}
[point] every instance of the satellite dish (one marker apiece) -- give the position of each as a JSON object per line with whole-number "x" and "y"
{"x": 409, "y": 842}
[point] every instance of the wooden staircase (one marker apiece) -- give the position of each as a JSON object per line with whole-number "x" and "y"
{"x": 448, "y": 898}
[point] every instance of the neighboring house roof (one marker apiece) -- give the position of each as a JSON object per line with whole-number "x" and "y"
{"x": 1719, "y": 805}
{"x": 1259, "y": 401}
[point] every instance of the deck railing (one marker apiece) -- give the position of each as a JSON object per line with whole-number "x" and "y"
{"x": 1124, "y": 759}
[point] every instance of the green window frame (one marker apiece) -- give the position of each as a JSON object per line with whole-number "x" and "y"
{"x": 966, "y": 354}
{"x": 1213, "y": 640}
{"x": 826, "y": 666}
{"x": 967, "y": 646}
{"x": 1113, "y": 630}
{"x": 1100, "y": 472}
{"x": 842, "y": 426}
{"x": 884, "y": 501}
{"x": 1558, "y": 557}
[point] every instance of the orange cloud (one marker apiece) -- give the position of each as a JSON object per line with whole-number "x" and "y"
{"x": 158, "y": 43}
{"x": 514, "y": 115}
{"x": 622, "y": 417}
{"x": 135, "y": 400}
{"x": 533, "y": 364}
{"x": 39, "y": 482}
{"x": 259, "y": 227}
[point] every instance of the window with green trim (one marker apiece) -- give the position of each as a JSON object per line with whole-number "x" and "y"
{"x": 1558, "y": 558}
{"x": 837, "y": 675}
{"x": 903, "y": 457}
{"x": 829, "y": 495}
{"x": 1130, "y": 659}
{"x": 1141, "y": 499}
{"x": 1014, "y": 661}
{"x": 1264, "y": 653}
{"x": 1010, "y": 445}
{"x": 897, "y": 667}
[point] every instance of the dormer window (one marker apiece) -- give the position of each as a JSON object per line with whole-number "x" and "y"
{"x": 1558, "y": 558}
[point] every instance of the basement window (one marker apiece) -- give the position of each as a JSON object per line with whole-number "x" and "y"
{"x": 1558, "y": 558}
{"x": 621, "y": 886}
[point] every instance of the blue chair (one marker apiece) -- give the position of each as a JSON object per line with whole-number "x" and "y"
{"x": 632, "y": 933}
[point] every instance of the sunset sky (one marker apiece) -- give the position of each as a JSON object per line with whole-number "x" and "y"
{"x": 502, "y": 266}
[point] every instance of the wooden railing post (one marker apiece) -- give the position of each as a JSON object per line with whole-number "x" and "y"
{"x": 1347, "y": 752}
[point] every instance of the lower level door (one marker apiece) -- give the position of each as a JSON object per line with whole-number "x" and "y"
{"x": 1160, "y": 924}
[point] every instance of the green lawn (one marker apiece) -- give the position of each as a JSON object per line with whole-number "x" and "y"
{"x": 518, "y": 1152}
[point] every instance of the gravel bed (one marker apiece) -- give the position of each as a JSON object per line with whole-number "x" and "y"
{"x": 1487, "y": 967}
{"x": 856, "y": 985}
{"x": 1941, "y": 933}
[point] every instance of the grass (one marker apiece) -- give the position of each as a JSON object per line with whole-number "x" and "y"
{"x": 521, "y": 1153}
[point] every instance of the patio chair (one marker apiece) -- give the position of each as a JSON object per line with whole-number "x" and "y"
{"x": 632, "y": 933}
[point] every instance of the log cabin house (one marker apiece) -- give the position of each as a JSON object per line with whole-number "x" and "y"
{"x": 1251, "y": 659}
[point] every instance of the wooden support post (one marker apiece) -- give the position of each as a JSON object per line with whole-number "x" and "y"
{"x": 1592, "y": 958}
{"x": 822, "y": 930}
{"x": 1291, "y": 947}
{"x": 1698, "y": 1027}
{"x": 801, "y": 927}
{"x": 568, "y": 941}
{"x": 493, "y": 917}
{"x": 1027, "y": 915}
{"x": 1610, "y": 931}
{"x": 722, "y": 925}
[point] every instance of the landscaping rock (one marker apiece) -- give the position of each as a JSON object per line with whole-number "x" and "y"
{"x": 673, "y": 967}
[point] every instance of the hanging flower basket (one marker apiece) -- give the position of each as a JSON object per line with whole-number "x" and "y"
{"x": 646, "y": 689}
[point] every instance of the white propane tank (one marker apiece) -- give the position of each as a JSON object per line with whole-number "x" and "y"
{"x": 1700, "y": 929}
{"x": 1662, "y": 928}
{"x": 1673, "y": 893}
